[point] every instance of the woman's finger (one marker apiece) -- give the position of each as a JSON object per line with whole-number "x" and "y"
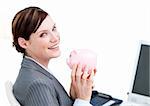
{"x": 90, "y": 79}
{"x": 79, "y": 73}
{"x": 85, "y": 73}
{"x": 91, "y": 75}
{"x": 73, "y": 73}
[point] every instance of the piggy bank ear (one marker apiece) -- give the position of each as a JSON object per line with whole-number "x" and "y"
{"x": 73, "y": 53}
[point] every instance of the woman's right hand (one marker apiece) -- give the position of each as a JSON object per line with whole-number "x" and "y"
{"x": 82, "y": 83}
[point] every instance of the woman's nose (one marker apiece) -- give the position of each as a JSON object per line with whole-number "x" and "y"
{"x": 55, "y": 37}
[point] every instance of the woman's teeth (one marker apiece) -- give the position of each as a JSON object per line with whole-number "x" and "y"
{"x": 56, "y": 46}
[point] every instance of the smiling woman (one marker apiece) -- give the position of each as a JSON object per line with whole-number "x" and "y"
{"x": 43, "y": 44}
{"x": 35, "y": 35}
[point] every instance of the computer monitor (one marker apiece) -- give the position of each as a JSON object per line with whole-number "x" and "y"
{"x": 140, "y": 86}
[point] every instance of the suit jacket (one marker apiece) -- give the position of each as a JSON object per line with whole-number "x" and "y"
{"x": 35, "y": 86}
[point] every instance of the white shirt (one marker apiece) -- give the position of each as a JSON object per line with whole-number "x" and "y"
{"x": 78, "y": 102}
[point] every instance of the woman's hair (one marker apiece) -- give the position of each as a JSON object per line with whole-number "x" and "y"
{"x": 26, "y": 22}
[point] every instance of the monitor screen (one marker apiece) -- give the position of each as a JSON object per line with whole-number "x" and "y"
{"x": 141, "y": 84}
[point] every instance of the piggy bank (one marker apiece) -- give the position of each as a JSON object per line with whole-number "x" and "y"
{"x": 86, "y": 58}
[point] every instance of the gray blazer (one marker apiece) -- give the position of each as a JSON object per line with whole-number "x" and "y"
{"x": 35, "y": 86}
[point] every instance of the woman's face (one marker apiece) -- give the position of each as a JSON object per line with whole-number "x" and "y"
{"x": 44, "y": 43}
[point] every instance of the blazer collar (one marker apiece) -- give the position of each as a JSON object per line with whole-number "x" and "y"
{"x": 28, "y": 63}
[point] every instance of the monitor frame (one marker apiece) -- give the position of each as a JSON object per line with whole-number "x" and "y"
{"x": 134, "y": 97}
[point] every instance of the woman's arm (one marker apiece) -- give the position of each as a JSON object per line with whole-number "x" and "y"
{"x": 41, "y": 94}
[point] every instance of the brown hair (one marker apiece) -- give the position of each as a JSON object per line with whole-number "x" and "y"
{"x": 26, "y": 22}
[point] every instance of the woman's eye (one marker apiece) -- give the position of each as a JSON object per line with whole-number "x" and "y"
{"x": 43, "y": 34}
{"x": 54, "y": 28}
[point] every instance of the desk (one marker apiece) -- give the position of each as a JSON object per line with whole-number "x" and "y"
{"x": 132, "y": 104}
{"x": 125, "y": 104}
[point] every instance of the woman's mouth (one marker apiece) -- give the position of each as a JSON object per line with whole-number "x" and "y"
{"x": 54, "y": 47}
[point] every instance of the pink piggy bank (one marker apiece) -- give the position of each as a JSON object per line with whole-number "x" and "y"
{"x": 84, "y": 57}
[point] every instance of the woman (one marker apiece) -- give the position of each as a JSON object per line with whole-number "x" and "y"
{"x": 35, "y": 35}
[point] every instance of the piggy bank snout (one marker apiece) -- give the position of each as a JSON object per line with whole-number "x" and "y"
{"x": 68, "y": 63}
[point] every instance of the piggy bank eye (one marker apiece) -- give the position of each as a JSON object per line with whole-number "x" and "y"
{"x": 70, "y": 55}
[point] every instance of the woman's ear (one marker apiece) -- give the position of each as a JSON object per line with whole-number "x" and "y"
{"x": 22, "y": 42}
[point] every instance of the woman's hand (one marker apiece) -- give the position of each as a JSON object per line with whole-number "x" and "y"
{"x": 82, "y": 83}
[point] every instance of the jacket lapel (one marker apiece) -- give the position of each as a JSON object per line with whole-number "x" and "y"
{"x": 28, "y": 63}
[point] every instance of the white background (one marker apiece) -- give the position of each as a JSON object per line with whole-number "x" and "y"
{"x": 111, "y": 28}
